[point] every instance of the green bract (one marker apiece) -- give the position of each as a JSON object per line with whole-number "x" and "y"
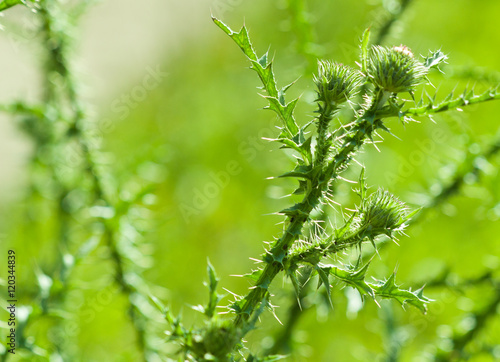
{"x": 395, "y": 69}
{"x": 336, "y": 83}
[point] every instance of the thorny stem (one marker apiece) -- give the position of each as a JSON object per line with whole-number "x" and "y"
{"x": 323, "y": 141}
{"x": 275, "y": 257}
{"x": 293, "y": 316}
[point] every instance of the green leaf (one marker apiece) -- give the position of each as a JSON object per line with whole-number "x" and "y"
{"x": 386, "y": 290}
{"x": 5, "y": 4}
{"x": 303, "y": 187}
{"x": 213, "y": 297}
{"x": 449, "y": 104}
{"x": 301, "y": 171}
{"x": 176, "y": 325}
{"x": 364, "y": 49}
{"x": 265, "y": 71}
{"x": 254, "y": 275}
{"x": 285, "y": 112}
{"x": 355, "y": 279}
{"x": 288, "y": 143}
{"x": 362, "y": 184}
{"x": 263, "y": 60}
{"x": 241, "y": 38}
{"x": 389, "y": 290}
{"x": 324, "y": 273}
{"x": 435, "y": 60}
{"x": 294, "y": 210}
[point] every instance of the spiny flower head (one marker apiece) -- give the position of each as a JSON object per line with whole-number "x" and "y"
{"x": 336, "y": 83}
{"x": 382, "y": 213}
{"x": 395, "y": 69}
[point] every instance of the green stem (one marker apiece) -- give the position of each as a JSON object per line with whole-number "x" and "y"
{"x": 324, "y": 143}
{"x": 274, "y": 260}
{"x": 275, "y": 257}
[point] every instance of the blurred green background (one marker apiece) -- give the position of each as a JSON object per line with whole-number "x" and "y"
{"x": 203, "y": 118}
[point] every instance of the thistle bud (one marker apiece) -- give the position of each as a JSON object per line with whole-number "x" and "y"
{"x": 336, "y": 83}
{"x": 395, "y": 69}
{"x": 219, "y": 338}
{"x": 382, "y": 212}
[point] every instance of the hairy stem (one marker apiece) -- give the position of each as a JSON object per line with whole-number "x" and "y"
{"x": 324, "y": 143}
{"x": 275, "y": 257}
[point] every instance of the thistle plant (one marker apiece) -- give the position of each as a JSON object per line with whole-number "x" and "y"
{"x": 102, "y": 219}
{"x": 321, "y": 158}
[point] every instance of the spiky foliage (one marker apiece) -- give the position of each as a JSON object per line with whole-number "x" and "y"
{"x": 321, "y": 159}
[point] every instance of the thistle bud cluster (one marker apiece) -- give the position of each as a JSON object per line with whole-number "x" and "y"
{"x": 336, "y": 83}
{"x": 395, "y": 69}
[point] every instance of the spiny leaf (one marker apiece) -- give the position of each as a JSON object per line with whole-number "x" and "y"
{"x": 295, "y": 282}
{"x": 254, "y": 275}
{"x": 364, "y": 49}
{"x": 324, "y": 273}
{"x": 266, "y": 75}
{"x": 355, "y": 279}
{"x": 285, "y": 112}
{"x": 435, "y": 59}
{"x": 237, "y": 307}
{"x": 241, "y": 38}
{"x": 449, "y": 104}
{"x": 263, "y": 60}
{"x": 303, "y": 187}
{"x": 389, "y": 290}
{"x": 175, "y": 323}
{"x": 287, "y": 143}
{"x": 293, "y": 210}
{"x": 362, "y": 184}
{"x": 213, "y": 298}
{"x": 300, "y": 171}
{"x": 340, "y": 232}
